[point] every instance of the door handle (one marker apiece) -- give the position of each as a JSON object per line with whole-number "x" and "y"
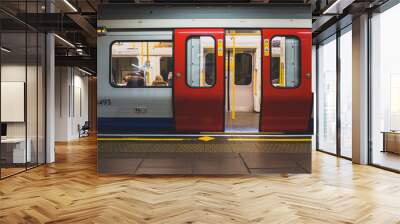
{"x": 178, "y": 74}
{"x": 308, "y": 75}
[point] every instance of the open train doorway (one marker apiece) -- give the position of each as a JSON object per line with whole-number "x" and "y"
{"x": 242, "y": 80}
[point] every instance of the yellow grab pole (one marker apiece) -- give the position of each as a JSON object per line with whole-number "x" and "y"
{"x": 142, "y": 53}
{"x": 202, "y": 78}
{"x": 282, "y": 75}
{"x": 142, "y": 62}
{"x": 255, "y": 82}
{"x": 147, "y": 65}
{"x": 254, "y": 77}
{"x": 233, "y": 95}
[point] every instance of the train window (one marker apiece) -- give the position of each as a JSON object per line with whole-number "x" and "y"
{"x": 210, "y": 69}
{"x": 166, "y": 67}
{"x": 139, "y": 64}
{"x": 285, "y": 61}
{"x": 200, "y": 61}
{"x": 243, "y": 69}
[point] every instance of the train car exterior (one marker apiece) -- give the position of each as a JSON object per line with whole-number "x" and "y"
{"x": 146, "y": 43}
{"x": 177, "y": 82}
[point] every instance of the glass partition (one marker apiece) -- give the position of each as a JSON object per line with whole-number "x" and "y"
{"x": 14, "y": 144}
{"x": 22, "y": 88}
{"x": 385, "y": 89}
{"x": 327, "y": 96}
{"x": 346, "y": 93}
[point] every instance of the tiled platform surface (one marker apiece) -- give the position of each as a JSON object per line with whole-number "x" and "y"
{"x": 191, "y": 157}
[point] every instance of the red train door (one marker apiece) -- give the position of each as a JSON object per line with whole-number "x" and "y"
{"x": 199, "y": 80}
{"x": 286, "y": 85}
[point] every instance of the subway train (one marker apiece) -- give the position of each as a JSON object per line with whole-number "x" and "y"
{"x": 183, "y": 69}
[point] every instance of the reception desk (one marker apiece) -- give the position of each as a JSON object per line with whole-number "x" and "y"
{"x": 391, "y": 141}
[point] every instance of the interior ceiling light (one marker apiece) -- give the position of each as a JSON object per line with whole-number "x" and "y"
{"x": 65, "y": 41}
{"x": 5, "y": 50}
{"x": 70, "y": 5}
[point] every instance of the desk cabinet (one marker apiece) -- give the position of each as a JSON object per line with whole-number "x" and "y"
{"x": 13, "y": 150}
{"x": 391, "y": 142}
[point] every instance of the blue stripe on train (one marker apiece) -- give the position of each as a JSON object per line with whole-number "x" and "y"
{"x": 122, "y": 125}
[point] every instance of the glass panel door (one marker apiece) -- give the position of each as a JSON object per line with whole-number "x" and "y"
{"x": 327, "y": 96}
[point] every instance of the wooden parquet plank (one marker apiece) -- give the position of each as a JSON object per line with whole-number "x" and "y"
{"x": 70, "y": 191}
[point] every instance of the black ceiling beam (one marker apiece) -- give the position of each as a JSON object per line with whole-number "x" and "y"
{"x": 201, "y": 1}
{"x": 49, "y": 22}
{"x": 77, "y": 61}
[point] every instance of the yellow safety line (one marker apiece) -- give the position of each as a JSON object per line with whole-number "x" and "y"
{"x": 142, "y": 139}
{"x": 197, "y": 139}
{"x": 271, "y": 139}
{"x": 228, "y": 133}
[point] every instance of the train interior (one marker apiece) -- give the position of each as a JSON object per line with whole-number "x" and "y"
{"x": 137, "y": 64}
{"x": 243, "y": 80}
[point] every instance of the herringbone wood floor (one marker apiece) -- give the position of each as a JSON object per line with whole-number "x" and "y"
{"x": 70, "y": 191}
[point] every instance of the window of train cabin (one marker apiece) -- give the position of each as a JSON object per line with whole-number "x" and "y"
{"x": 200, "y": 61}
{"x": 285, "y": 62}
{"x": 139, "y": 64}
{"x": 210, "y": 69}
{"x": 166, "y": 67}
{"x": 122, "y": 64}
{"x": 243, "y": 69}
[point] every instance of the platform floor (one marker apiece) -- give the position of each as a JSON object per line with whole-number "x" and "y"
{"x": 224, "y": 156}
{"x": 244, "y": 122}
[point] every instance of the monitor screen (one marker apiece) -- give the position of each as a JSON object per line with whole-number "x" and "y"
{"x": 3, "y": 129}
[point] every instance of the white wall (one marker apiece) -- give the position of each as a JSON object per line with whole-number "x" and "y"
{"x": 14, "y": 73}
{"x": 71, "y": 102}
{"x": 33, "y": 126}
{"x": 62, "y": 82}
